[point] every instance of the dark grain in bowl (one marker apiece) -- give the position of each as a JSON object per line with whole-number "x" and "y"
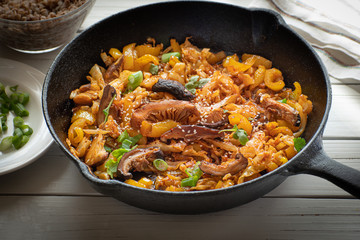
{"x": 218, "y": 26}
{"x": 32, "y": 10}
{"x": 46, "y": 34}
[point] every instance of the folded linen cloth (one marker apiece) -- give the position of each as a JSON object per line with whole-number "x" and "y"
{"x": 330, "y": 26}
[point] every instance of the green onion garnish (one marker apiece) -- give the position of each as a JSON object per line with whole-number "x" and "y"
{"x": 160, "y": 165}
{"x": 166, "y": 56}
{"x": 134, "y": 81}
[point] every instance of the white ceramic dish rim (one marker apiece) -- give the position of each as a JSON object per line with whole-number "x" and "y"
{"x": 29, "y": 80}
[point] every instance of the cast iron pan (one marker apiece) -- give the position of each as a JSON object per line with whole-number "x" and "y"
{"x": 220, "y": 27}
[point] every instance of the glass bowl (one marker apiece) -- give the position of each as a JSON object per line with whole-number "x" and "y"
{"x": 43, "y": 35}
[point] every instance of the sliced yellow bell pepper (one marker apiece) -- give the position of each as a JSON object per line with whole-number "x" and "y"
{"x": 148, "y": 129}
{"x": 148, "y": 49}
{"x": 274, "y": 80}
{"x": 129, "y": 56}
{"x": 241, "y": 122}
{"x": 115, "y": 53}
{"x": 234, "y": 66}
{"x": 135, "y": 183}
{"x": 258, "y": 60}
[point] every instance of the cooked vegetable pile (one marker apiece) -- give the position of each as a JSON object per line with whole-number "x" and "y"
{"x": 183, "y": 118}
{"x": 15, "y": 103}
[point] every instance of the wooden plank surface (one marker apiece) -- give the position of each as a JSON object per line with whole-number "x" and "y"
{"x": 49, "y": 217}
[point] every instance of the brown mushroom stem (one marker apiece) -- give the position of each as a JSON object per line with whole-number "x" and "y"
{"x": 281, "y": 110}
{"x": 232, "y": 166}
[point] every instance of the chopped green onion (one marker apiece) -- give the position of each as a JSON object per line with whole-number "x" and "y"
{"x": 22, "y": 98}
{"x": 26, "y": 129}
{"x": 189, "y": 182}
{"x": 2, "y": 88}
{"x": 19, "y": 110}
{"x": 3, "y": 126}
{"x": 18, "y": 121}
{"x": 166, "y": 56}
{"x": 134, "y": 81}
{"x": 17, "y": 139}
{"x": 299, "y": 143}
{"x": 6, "y": 143}
{"x": 14, "y": 88}
{"x": 160, "y": 165}
{"x": 154, "y": 69}
{"x": 194, "y": 175}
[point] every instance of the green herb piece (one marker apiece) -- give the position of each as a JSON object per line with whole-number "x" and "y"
{"x": 166, "y": 56}
{"x": 203, "y": 81}
{"x": 154, "y": 69}
{"x": 194, "y": 82}
{"x": 125, "y": 136}
{"x": 239, "y": 134}
{"x": 283, "y": 100}
{"x": 107, "y": 109}
{"x": 160, "y": 165}
{"x": 225, "y": 110}
{"x": 299, "y": 143}
{"x": 242, "y": 136}
{"x": 108, "y": 149}
{"x": 111, "y": 166}
{"x": 194, "y": 175}
{"x": 127, "y": 144}
{"x": 134, "y": 81}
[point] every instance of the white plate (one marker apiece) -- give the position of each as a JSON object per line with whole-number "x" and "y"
{"x": 29, "y": 80}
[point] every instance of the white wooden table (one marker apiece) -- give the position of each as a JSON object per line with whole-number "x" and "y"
{"x": 49, "y": 199}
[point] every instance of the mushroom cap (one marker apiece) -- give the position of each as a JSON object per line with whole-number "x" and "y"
{"x": 177, "y": 110}
{"x": 173, "y": 87}
{"x": 108, "y": 93}
{"x": 139, "y": 159}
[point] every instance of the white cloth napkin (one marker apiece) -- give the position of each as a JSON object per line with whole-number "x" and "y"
{"x": 332, "y": 27}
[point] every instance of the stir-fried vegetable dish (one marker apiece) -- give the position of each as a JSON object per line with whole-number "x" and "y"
{"x": 183, "y": 118}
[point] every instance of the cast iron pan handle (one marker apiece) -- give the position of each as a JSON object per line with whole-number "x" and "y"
{"x": 316, "y": 162}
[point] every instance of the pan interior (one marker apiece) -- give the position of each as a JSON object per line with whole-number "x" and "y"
{"x": 215, "y": 26}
